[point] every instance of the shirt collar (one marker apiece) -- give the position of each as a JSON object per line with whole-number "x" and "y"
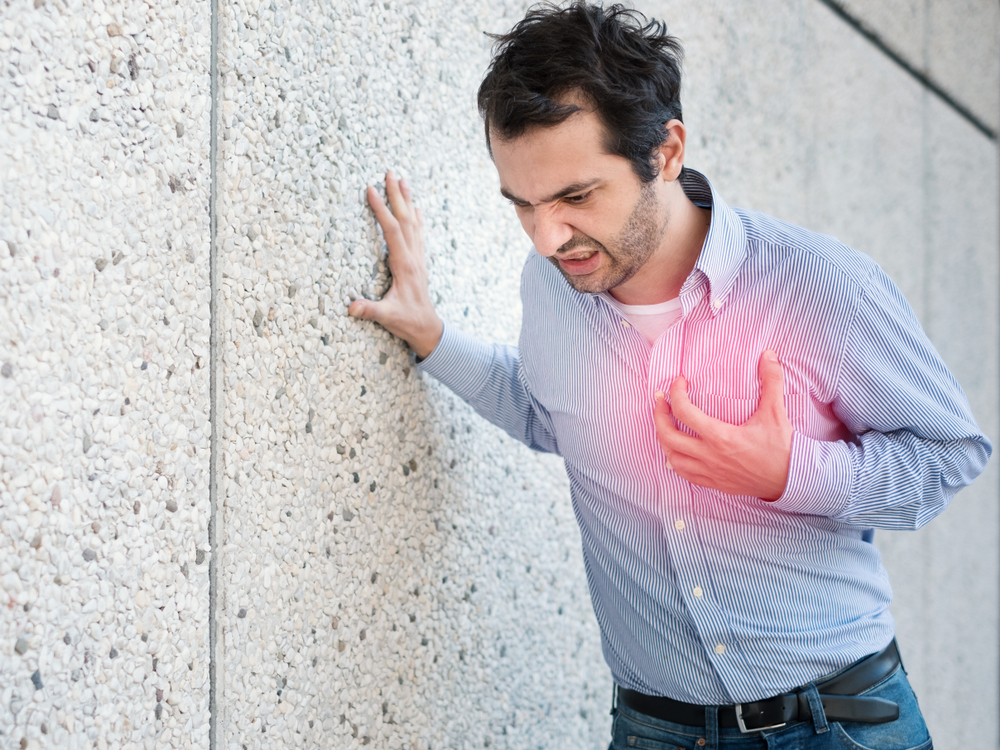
{"x": 725, "y": 246}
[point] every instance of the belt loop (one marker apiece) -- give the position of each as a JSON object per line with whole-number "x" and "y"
{"x": 614, "y": 698}
{"x": 816, "y": 708}
{"x": 712, "y": 727}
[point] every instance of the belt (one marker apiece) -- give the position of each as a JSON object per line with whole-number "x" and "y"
{"x": 839, "y": 695}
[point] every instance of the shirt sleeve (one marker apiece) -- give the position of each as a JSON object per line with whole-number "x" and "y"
{"x": 490, "y": 378}
{"x": 917, "y": 442}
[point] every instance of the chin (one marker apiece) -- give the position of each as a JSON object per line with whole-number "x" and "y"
{"x": 586, "y": 285}
{"x": 592, "y": 283}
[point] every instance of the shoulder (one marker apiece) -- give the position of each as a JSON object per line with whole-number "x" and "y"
{"x": 548, "y": 302}
{"x": 543, "y": 284}
{"x": 804, "y": 254}
{"x": 535, "y": 266}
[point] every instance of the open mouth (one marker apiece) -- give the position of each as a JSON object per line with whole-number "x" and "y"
{"x": 580, "y": 264}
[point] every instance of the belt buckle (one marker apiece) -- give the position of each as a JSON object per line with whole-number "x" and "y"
{"x": 743, "y": 727}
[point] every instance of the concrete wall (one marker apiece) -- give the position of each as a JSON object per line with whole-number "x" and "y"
{"x": 104, "y": 350}
{"x": 389, "y": 570}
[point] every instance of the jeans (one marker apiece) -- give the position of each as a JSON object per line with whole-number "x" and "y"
{"x": 635, "y": 730}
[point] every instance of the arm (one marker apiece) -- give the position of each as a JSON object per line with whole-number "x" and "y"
{"x": 918, "y": 443}
{"x": 487, "y": 376}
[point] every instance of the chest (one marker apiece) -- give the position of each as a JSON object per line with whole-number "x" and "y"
{"x": 597, "y": 376}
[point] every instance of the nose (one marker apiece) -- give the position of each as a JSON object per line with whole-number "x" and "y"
{"x": 550, "y": 232}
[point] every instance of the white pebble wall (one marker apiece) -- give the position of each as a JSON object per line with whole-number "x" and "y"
{"x": 104, "y": 348}
{"x": 388, "y": 566}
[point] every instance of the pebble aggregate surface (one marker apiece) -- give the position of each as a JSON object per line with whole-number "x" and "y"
{"x": 104, "y": 345}
{"x": 396, "y": 572}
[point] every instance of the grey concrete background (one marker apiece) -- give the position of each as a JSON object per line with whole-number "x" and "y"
{"x": 945, "y": 40}
{"x": 392, "y": 572}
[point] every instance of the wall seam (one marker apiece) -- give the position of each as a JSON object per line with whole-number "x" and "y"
{"x": 214, "y": 364}
{"x": 922, "y": 78}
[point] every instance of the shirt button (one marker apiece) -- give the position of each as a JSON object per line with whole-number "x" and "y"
{"x": 679, "y": 525}
{"x": 717, "y": 304}
{"x": 720, "y": 648}
{"x": 698, "y": 592}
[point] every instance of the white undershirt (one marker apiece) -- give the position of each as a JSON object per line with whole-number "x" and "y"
{"x": 649, "y": 320}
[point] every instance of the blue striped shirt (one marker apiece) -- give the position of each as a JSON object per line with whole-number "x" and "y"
{"x": 701, "y": 596}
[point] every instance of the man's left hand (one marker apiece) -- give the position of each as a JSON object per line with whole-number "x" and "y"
{"x": 747, "y": 459}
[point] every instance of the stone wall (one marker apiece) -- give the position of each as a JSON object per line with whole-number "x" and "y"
{"x": 104, "y": 401}
{"x": 355, "y": 558}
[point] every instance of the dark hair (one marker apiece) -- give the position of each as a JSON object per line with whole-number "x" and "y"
{"x": 627, "y": 68}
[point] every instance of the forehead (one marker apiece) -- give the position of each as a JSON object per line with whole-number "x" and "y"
{"x": 545, "y": 159}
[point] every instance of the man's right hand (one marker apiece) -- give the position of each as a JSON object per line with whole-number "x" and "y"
{"x": 406, "y": 310}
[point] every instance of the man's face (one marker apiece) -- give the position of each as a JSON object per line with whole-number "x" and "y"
{"x": 584, "y": 209}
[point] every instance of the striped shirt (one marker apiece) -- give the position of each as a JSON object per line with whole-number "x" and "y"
{"x": 712, "y": 598}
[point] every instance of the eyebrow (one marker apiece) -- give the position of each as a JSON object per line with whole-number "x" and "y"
{"x": 576, "y": 187}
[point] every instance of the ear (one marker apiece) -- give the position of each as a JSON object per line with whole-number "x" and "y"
{"x": 670, "y": 155}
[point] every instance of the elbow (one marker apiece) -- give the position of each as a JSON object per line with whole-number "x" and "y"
{"x": 986, "y": 447}
{"x": 970, "y": 459}
{"x": 979, "y": 451}
{"x": 963, "y": 461}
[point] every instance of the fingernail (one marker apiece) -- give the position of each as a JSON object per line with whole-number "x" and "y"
{"x": 660, "y": 395}
{"x": 771, "y": 356}
{"x": 669, "y": 466}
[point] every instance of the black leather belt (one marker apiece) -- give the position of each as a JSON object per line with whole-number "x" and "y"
{"x": 839, "y": 695}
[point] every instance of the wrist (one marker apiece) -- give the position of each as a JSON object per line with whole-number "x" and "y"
{"x": 428, "y": 339}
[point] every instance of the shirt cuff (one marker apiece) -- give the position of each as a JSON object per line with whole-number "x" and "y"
{"x": 459, "y": 361}
{"x": 820, "y": 475}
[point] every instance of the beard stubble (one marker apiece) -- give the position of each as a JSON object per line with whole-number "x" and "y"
{"x": 628, "y": 251}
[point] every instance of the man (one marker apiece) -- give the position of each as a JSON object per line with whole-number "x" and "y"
{"x": 739, "y": 403}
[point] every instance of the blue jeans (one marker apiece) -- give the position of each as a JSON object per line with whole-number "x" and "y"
{"x": 633, "y": 730}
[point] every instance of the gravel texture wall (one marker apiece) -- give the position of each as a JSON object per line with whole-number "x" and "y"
{"x": 390, "y": 571}
{"x": 104, "y": 350}
{"x": 393, "y": 570}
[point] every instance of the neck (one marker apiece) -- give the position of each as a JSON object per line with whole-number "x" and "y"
{"x": 661, "y": 277}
